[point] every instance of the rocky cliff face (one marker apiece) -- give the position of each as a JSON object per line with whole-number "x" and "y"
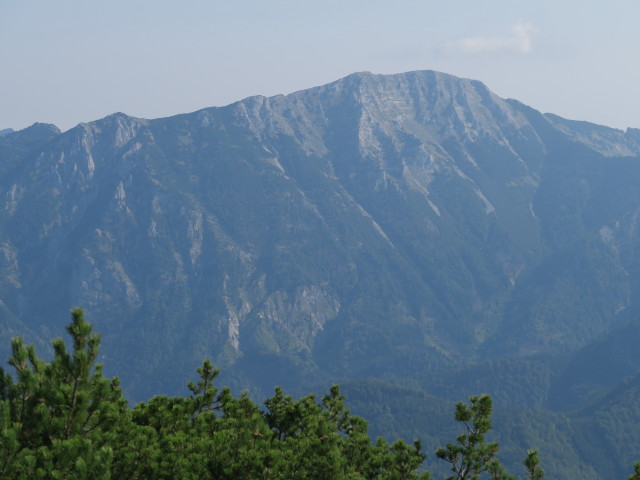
{"x": 388, "y": 226}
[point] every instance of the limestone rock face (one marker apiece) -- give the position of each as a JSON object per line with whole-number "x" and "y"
{"x": 391, "y": 226}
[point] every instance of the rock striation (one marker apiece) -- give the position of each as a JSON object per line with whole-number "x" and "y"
{"x": 388, "y": 226}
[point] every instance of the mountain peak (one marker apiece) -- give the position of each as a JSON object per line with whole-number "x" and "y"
{"x": 42, "y": 127}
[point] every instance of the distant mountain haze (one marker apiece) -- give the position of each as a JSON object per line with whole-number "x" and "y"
{"x": 412, "y": 228}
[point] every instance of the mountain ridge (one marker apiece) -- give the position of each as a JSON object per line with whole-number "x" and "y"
{"x": 412, "y": 229}
{"x": 414, "y": 137}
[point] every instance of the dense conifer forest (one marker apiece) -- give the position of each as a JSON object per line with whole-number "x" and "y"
{"x": 63, "y": 419}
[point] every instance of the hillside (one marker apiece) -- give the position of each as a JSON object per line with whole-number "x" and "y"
{"x": 414, "y": 228}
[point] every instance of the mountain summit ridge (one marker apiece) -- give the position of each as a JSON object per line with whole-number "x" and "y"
{"x": 379, "y": 225}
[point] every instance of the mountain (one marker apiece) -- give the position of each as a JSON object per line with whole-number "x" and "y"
{"x": 378, "y": 225}
{"x": 413, "y": 228}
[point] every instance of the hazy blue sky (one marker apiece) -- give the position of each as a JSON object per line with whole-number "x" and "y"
{"x": 71, "y": 61}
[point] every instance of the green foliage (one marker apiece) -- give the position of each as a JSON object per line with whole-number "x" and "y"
{"x": 532, "y": 462}
{"x": 60, "y": 419}
{"x": 320, "y": 441}
{"x": 471, "y": 456}
{"x": 63, "y": 420}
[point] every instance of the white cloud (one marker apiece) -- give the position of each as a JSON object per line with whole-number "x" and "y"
{"x": 519, "y": 41}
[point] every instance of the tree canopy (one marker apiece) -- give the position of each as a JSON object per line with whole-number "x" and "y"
{"x": 63, "y": 419}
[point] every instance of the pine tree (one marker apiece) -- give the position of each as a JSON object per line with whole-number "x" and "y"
{"x": 532, "y": 463}
{"x": 59, "y": 418}
{"x": 471, "y": 456}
